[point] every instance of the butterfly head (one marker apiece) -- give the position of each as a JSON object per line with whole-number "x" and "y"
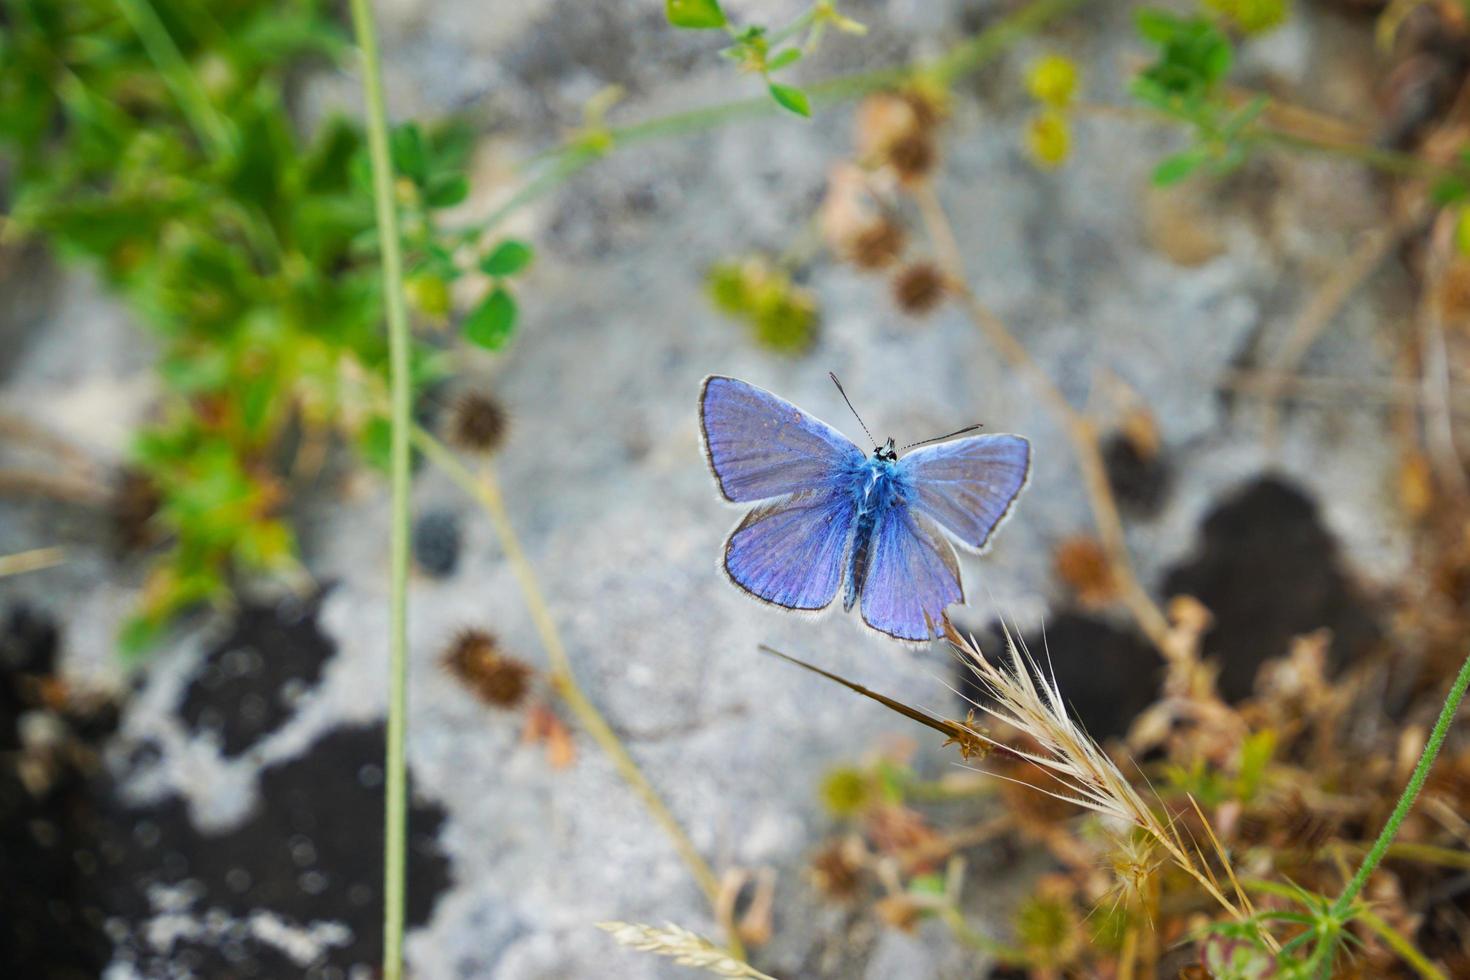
{"x": 886, "y": 452}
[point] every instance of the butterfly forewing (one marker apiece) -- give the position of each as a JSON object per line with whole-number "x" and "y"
{"x": 913, "y": 575}
{"x": 969, "y": 485}
{"x": 760, "y": 446}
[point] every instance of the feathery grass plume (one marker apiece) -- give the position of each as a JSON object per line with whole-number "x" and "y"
{"x": 1024, "y": 698}
{"x": 687, "y": 948}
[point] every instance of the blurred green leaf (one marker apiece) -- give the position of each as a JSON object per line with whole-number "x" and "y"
{"x": 791, "y": 98}
{"x": 507, "y": 258}
{"x": 491, "y": 324}
{"x": 447, "y": 190}
{"x": 410, "y": 156}
{"x": 1179, "y": 166}
{"x": 789, "y": 56}
{"x": 694, "y": 14}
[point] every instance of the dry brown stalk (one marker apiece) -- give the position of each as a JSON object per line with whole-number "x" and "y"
{"x": 1080, "y": 430}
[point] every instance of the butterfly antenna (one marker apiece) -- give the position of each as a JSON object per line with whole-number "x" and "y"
{"x": 956, "y": 432}
{"x": 851, "y": 409}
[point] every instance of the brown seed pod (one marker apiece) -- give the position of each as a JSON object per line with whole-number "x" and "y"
{"x": 474, "y": 658}
{"x": 878, "y": 245}
{"x": 919, "y": 287}
{"x": 478, "y": 422}
{"x": 1081, "y": 563}
{"x": 913, "y": 156}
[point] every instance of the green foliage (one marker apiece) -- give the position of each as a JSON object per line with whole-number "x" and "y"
{"x": 694, "y": 14}
{"x": 791, "y": 99}
{"x": 782, "y": 316}
{"x": 152, "y": 140}
{"x": 761, "y": 51}
{"x": 1184, "y": 84}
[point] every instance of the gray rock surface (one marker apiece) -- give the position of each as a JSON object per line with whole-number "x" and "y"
{"x": 618, "y": 513}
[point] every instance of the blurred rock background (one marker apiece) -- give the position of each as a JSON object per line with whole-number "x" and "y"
{"x": 236, "y": 825}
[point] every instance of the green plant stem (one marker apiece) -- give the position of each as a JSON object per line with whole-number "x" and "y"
{"x": 395, "y": 829}
{"x": 1388, "y": 161}
{"x": 963, "y": 59}
{"x": 486, "y": 490}
{"x": 1400, "y": 944}
{"x": 207, "y": 124}
{"x": 1344, "y": 904}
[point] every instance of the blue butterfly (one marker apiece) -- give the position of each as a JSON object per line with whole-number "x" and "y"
{"x": 831, "y": 515}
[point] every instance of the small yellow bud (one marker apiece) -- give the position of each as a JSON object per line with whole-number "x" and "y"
{"x": 1048, "y": 140}
{"x": 1053, "y": 80}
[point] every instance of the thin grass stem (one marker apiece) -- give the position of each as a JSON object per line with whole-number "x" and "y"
{"x": 485, "y": 489}
{"x": 395, "y": 827}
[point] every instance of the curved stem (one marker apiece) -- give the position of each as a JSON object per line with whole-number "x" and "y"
{"x": 1410, "y": 794}
{"x": 963, "y": 59}
{"x": 395, "y": 829}
{"x": 486, "y": 490}
{"x": 1078, "y": 427}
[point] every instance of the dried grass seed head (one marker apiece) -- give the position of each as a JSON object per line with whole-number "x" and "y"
{"x": 478, "y": 422}
{"x": 475, "y": 658}
{"x": 919, "y": 287}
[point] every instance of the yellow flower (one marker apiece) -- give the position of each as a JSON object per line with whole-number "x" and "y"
{"x": 1252, "y": 16}
{"x": 1053, "y": 80}
{"x": 1048, "y": 141}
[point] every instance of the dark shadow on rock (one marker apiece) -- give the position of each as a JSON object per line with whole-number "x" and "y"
{"x": 249, "y": 682}
{"x": 1106, "y": 673}
{"x": 1269, "y": 570}
{"x": 309, "y": 859}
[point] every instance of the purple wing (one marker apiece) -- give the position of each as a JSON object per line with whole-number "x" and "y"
{"x": 789, "y": 552}
{"x": 913, "y": 576}
{"x": 760, "y": 446}
{"x": 969, "y": 485}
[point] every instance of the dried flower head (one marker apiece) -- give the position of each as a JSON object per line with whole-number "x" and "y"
{"x": 913, "y": 156}
{"x": 478, "y": 422}
{"x": 882, "y": 120}
{"x": 919, "y": 287}
{"x": 878, "y": 245}
{"x": 896, "y": 130}
{"x": 1081, "y": 563}
{"x": 836, "y": 870}
{"x": 475, "y": 659}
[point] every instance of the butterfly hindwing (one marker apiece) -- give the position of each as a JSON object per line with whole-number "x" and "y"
{"x": 969, "y": 485}
{"x": 760, "y": 446}
{"x": 789, "y": 551}
{"x": 912, "y": 577}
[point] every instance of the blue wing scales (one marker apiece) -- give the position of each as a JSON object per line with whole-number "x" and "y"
{"x": 789, "y": 552}
{"x": 760, "y": 446}
{"x": 913, "y": 576}
{"x": 969, "y": 486}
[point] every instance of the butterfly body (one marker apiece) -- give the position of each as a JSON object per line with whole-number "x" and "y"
{"x": 878, "y": 488}
{"x": 830, "y": 516}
